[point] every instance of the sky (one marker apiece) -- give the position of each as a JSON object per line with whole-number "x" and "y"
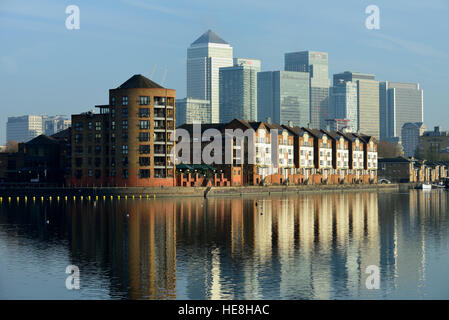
{"x": 47, "y": 69}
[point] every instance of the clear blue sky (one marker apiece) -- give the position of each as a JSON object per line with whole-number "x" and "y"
{"x": 45, "y": 68}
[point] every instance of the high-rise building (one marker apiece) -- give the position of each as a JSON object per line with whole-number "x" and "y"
{"x": 411, "y": 131}
{"x": 190, "y": 110}
{"x": 54, "y": 124}
{"x": 367, "y": 100}
{"x": 343, "y": 103}
{"x": 238, "y": 90}
{"x": 205, "y": 57}
{"x": 129, "y": 143}
{"x": 283, "y": 96}
{"x": 316, "y": 64}
{"x": 24, "y": 128}
{"x": 399, "y": 103}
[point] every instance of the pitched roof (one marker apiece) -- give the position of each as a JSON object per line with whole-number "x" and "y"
{"x": 42, "y": 139}
{"x": 139, "y": 81}
{"x": 209, "y": 37}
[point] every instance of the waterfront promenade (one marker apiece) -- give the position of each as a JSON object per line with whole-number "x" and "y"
{"x": 172, "y": 192}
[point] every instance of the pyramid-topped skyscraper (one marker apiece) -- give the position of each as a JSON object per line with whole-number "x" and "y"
{"x": 205, "y": 56}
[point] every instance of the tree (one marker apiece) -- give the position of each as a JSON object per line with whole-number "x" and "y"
{"x": 12, "y": 146}
{"x": 387, "y": 149}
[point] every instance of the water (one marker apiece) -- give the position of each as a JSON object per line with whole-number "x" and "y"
{"x": 308, "y": 246}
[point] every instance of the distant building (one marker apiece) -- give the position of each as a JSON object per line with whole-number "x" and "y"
{"x": 411, "y": 131}
{"x": 367, "y": 100}
{"x": 434, "y": 145}
{"x": 238, "y": 90}
{"x": 316, "y": 64}
{"x": 189, "y": 110}
{"x": 283, "y": 96}
{"x": 54, "y": 124}
{"x": 343, "y": 99}
{"x": 24, "y": 128}
{"x": 205, "y": 57}
{"x": 399, "y": 103}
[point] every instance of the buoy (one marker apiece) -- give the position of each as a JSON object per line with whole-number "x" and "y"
{"x": 154, "y": 196}
{"x": 18, "y": 199}
{"x": 49, "y": 198}
{"x": 126, "y": 197}
{"x": 42, "y": 198}
{"x": 34, "y": 198}
{"x": 88, "y": 198}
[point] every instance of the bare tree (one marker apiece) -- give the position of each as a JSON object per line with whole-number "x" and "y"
{"x": 12, "y": 146}
{"x": 387, "y": 149}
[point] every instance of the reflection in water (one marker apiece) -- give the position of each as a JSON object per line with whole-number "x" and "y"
{"x": 309, "y": 246}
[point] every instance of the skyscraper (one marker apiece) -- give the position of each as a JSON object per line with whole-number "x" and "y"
{"x": 399, "y": 103}
{"x": 343, "y": 103}
{"x": 238, "y": 90}
{"x": 367, "y": 100}
{"x": 411, "y": 131}
{"x": 316, "y": 64}
{"x": 190, "y": 110}
{"x": 283, "y": 96}
{"x": 23, "y": 129}
{"x": 205, "y": 57}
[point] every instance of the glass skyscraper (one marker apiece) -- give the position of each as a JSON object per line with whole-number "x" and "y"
{"x": 283, "y": 96}
{"x": 399, "y": 103}
{"x": 205, "y": 57}
{"x": 344, "y": 103}
{"x": 367, "y": 100}
{"x": 316, "y": 64}
{"x": 238, "y": 90}
{"x": 190, "y": 110}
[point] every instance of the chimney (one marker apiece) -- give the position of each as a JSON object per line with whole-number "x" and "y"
{"x": 269, "y": 120}
{"x": 290, "y": 123}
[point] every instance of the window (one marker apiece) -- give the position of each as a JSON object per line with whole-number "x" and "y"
{"x": 125, "y": 101}
{"x": 90, "y": 173}
{"x": 144, "y": 136}
{"x": 113, "y": 125}
{"x": 97, "y": 174}
{"x": 125, "y": 149}
{"x": 113, "y": 101}
{"x": 125, "y": 124}
{"x": 144, "y": 112}
{"x": 144, "y": 149}
{"x": 113, "y": 113}
{"x": 125, "y": 136}
{"x": 79, "y": 150}
{"x": 78, "y": 174}
{"x": 144, "y": 124}
{"x": 78, "y": 138}
{"x": 144, "y": 100}
{"x": 79, "y": 162}
{"x": 98, "y": 126}
{"x": 98, "y": 137}
{"x": 97, "y": 162}
{"x": 125, "y": 112}
{"x": 125, "y": 173}
{"x": 144, "y": 173}
{"x": 78, "y": 126}
{"x": 125, "y": 161}
{"x": 89, "y": 125}
{"x": 144, "y": 161}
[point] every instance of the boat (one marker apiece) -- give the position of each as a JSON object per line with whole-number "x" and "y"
{"x": 425, "y": 186}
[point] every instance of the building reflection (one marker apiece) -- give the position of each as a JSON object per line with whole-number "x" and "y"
{"x": 305, "y": 246}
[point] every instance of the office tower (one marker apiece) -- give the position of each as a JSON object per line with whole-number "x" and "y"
{"x": 367, "y": 100}
{"x": 316, "y": 64}
{"x": 54, "y": 124}
{"x": 24, "y": 128}
{"x": 205, "y": 57}
{"x": 343, "y": 103}
{"x": 410, "y": 133}
{"x": 129, "y": 143}
{"x": 238, "y": 90}
{"x": 190, "y": 110}
{"x": 399, "y": 103}
{"x": 283, "y": 96}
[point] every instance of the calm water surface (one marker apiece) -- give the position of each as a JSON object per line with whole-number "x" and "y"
{"x": 309, "y": 246}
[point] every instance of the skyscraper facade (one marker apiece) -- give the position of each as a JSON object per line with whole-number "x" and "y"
{"x": 367, "y": 100}
{"x": 238, "y": 90}
{"x": 190, "y": 110}
{"x": 24, "y": 128}
{"x": 343, "y": 101}
{"x": 399, "y": 103}
{"x": 411, "y": 131}
{"x": 283, "y": 96}
{"x": 205, "y": 57}
{"x": 316, "y": 64}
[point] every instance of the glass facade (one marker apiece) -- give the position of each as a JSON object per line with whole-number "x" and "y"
{"x": 283, "y": 96}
